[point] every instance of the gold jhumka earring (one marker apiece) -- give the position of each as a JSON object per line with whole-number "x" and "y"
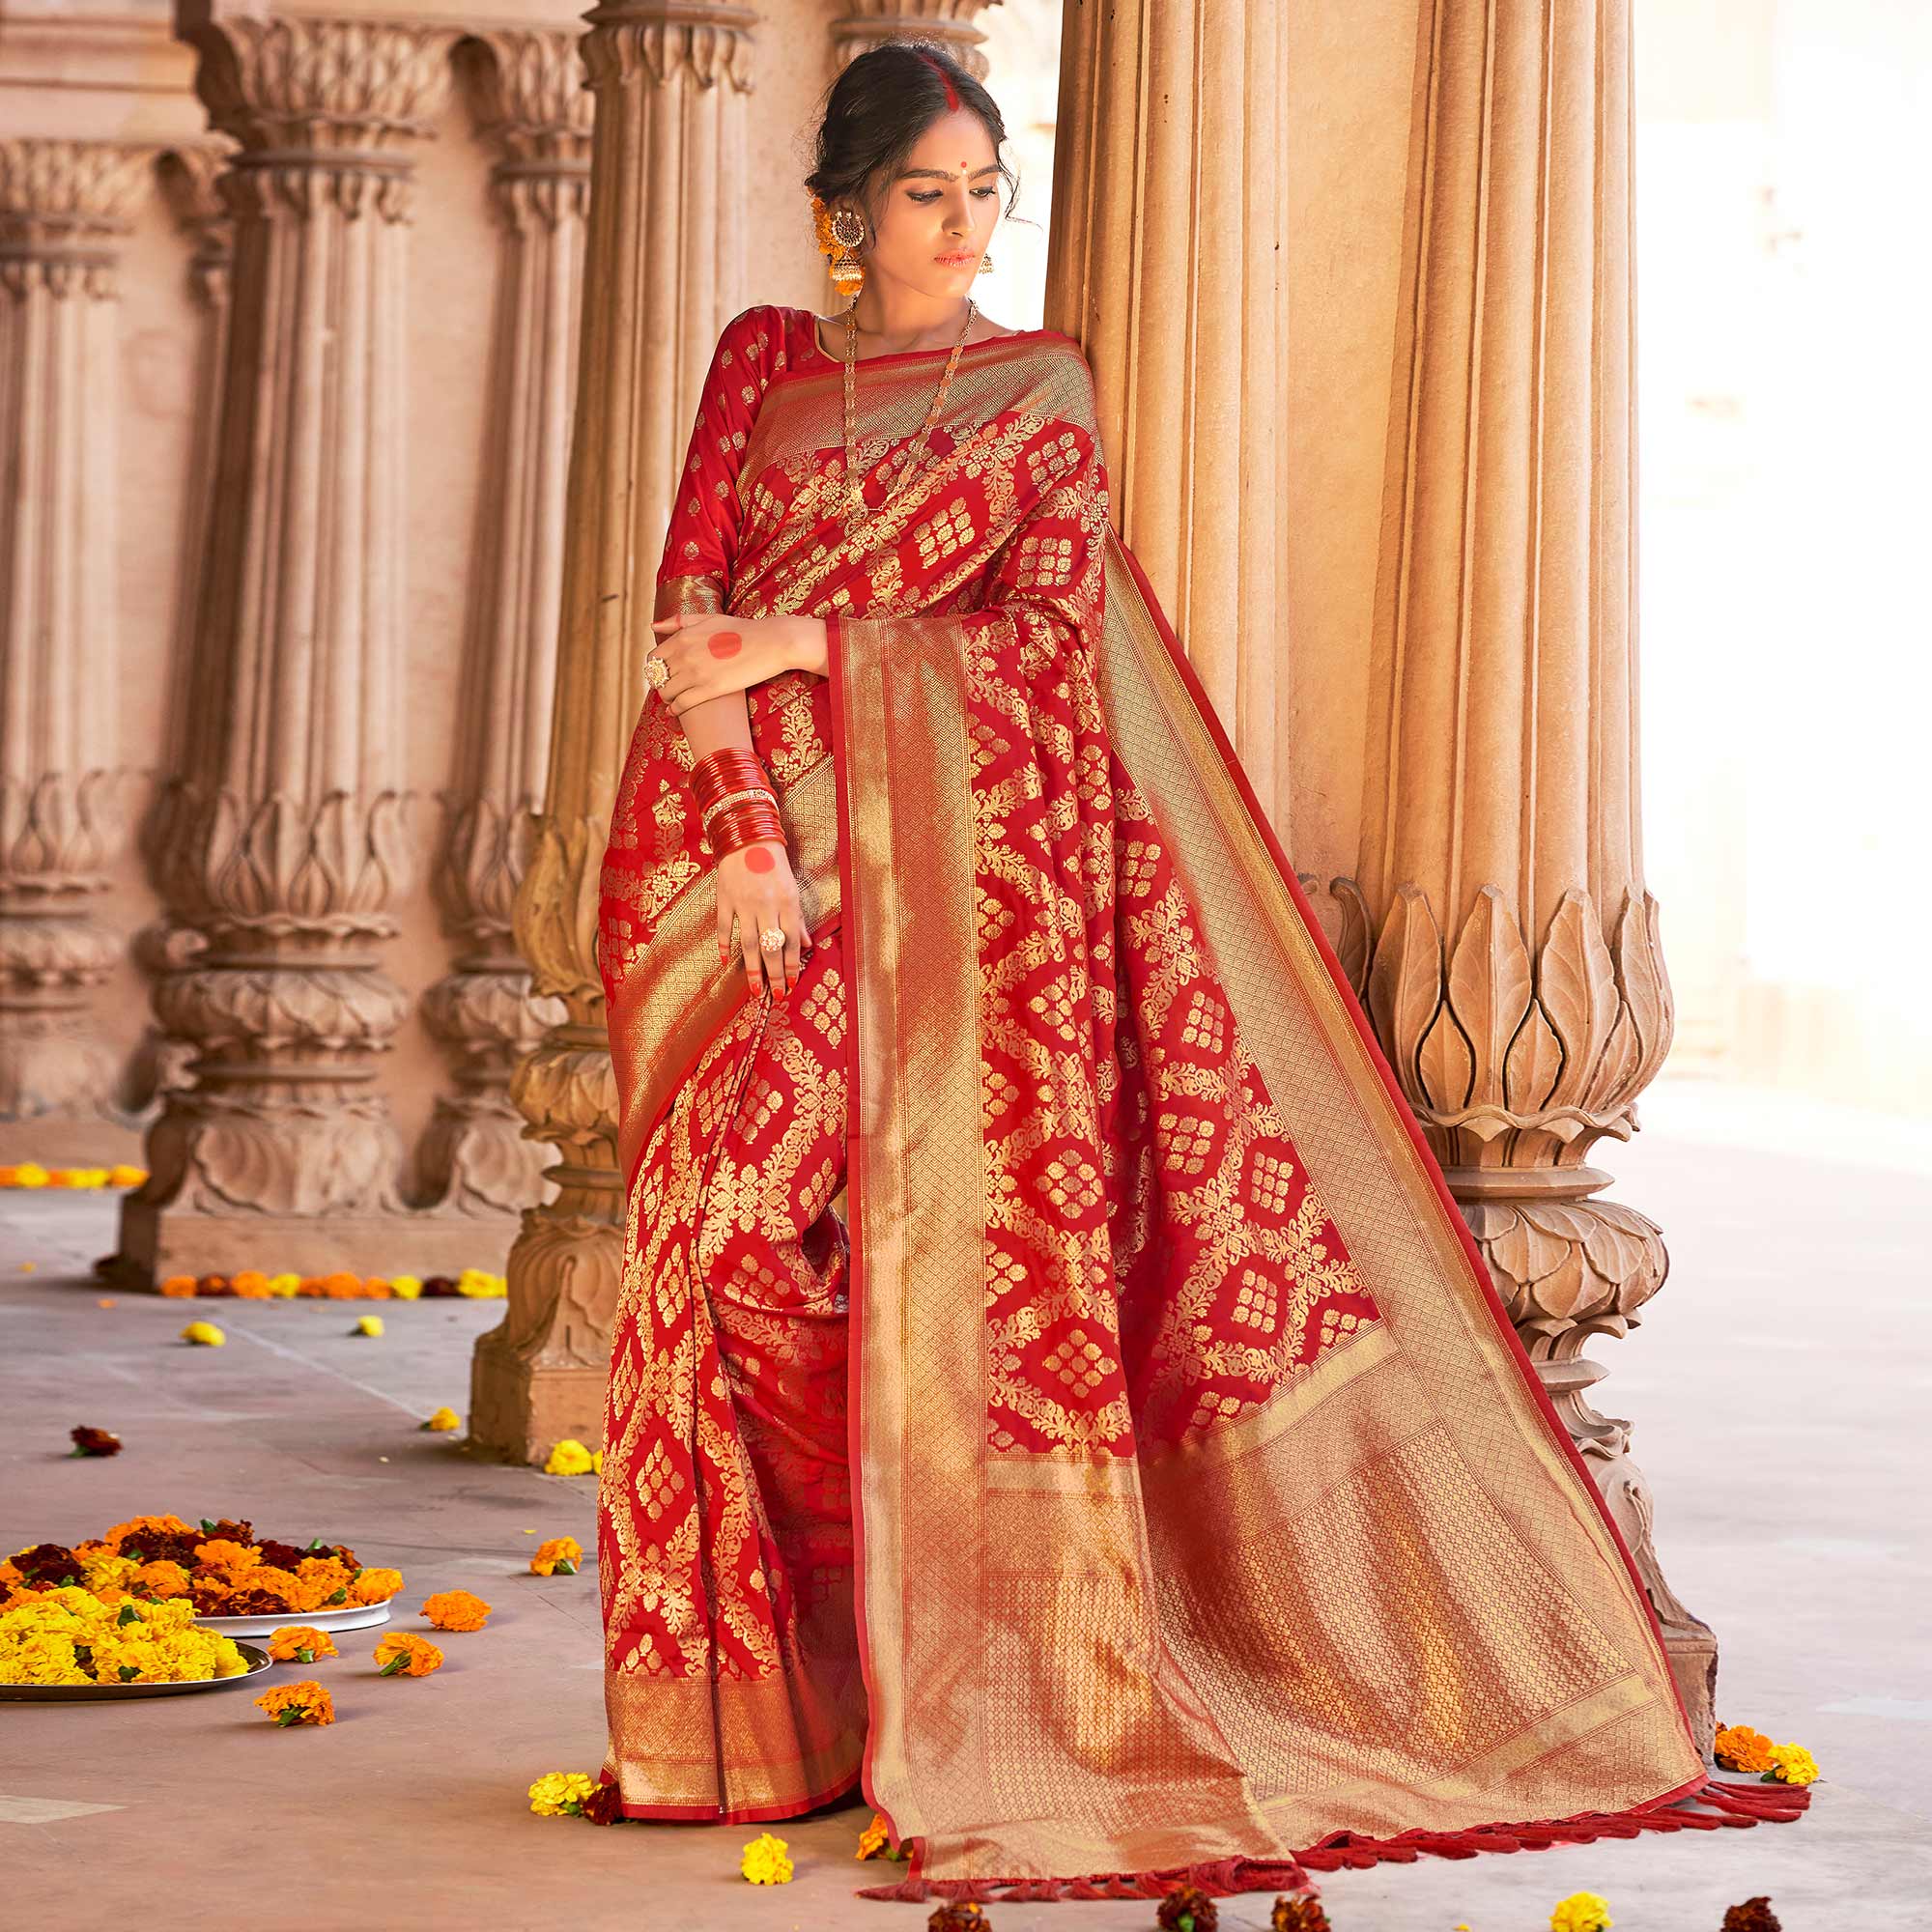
{"x": 840, "y": 237}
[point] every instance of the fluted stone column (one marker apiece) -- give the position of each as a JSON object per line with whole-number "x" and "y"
{"x": 190, "y": 176}
{"x": 947, "y": 23}
{"x": 526, "y": 90}
{"x": 1515, "y": 974}
{"x": 63, "y": 798}
{"x": 1169, "y": 197}
{"x": 664, "y": 270}
{"x": 292, "y": 843}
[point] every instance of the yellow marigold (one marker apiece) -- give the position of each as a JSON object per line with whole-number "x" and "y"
{"x": 1793, "y": 1764}
{"x": 297, "y": 1643}
{"x": 376, "y": 1586}
{"x": 402, "y": 1654}
{"x": 369, "y": 1325}
{"x": 1739, "y": 1747}
{"x": 570, "y": 1458}
{"x": 30, "y": 1173}
{"x": 560, "y": 1794}
{"x": 406, "y": 1287}
{"x": 455, "y": 1610}
{"x": 443, "y": 1421}
{"x": 481, "y": 1286}
{"x": 284, "y": 1286}
{"x": 1581, "y": 1912}
{"x": 204, "y": 1334}
{"x": 102, "y": 1570}
{"x": 178, "y": 1287}
{"x": 765, "y": 1862}
{"x": 304, "y": 1703}
{"x": 220, "y": 1553}
{"x": 560, "y": 1556}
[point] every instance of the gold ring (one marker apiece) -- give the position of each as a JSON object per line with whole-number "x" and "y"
{"x": 656, "y": 671}
{"x": 772, "y": 939}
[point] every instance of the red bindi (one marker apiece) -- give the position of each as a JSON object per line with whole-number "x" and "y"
{"x": 759, "y": 858}
{"x": 726, "y": 644}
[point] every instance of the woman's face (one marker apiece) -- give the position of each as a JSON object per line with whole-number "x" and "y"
{"x": 945, "y": 203}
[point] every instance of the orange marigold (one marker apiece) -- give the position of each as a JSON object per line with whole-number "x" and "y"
{"x": 559, "y": 1556}
{"x": 376, "y": 1586}
{"x": 159, "y": 1580}
{"x": 251, "y": 1285}
{"x": 122, "y": 1531}
{"x": 297, "y": 1643}
{"x": 304, "y": 1703}
{"x": 405, "y": 1656}
{"x": 456, "y": 1611}
{"x": 179, "y": 1286}
{"x": 1739, "y": 1747}
{"x": 220, "y": 1553}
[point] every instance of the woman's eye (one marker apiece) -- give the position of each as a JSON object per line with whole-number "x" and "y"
{"x": 934, "y": 195}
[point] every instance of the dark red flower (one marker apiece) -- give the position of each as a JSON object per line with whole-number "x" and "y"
{"x": 604, "y": 1806}
{"x": 1300, "y": 1915}
{"x": 164, "y": 1546}
{"x": 95, "y": 1441}
{"x": 226, "y": 1529}
{"x": 1187, "y": 1909}
{"x": 960, "y": 1914}
{"x": 49, "y": 1565}
{"x": 1754, "y": 1915}
{"x": 282, "y": 1555}
{"x": 436, "y": 1285}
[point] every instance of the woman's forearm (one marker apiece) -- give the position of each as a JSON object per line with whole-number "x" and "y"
{"x": 716, "y": 722}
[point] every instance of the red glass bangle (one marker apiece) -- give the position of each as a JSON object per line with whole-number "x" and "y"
{"x": 729, "y": 769}
{"x": 745, "y": 825}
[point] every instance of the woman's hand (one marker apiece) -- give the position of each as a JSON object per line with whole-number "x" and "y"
{"x": 757, "y": 887}
{"x": 712, "y": 655}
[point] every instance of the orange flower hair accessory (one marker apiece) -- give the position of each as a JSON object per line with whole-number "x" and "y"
{"x": 456, "y": 1611}
{"x": 406, "y": 1656}
{"x": 297, "y": 1643}
{"x": 558, "y": 1557}
{"x": 304, "y": 1703}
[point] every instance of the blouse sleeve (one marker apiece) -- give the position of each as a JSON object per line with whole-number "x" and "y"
{"x": 701, "y": 541}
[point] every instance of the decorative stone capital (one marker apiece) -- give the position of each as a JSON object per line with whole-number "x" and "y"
{"x": 191, "y": 183}
{"x": 949, "y": 23}
{"x": 658, "y": 41}
{"x": 64, "y": 210}
{"x": 531, "y": 102}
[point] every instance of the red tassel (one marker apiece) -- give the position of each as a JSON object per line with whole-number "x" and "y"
{"x": 1726, "y": 1804}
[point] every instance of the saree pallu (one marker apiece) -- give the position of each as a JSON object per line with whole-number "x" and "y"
{"x": 1198, "y": 1510}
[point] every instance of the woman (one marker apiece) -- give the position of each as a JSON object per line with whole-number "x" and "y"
{"x": 1152, "y": 1484}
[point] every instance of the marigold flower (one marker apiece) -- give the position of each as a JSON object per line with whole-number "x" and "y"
{"x": 1303, "y": 1911}
{"x": 94, "y": 1442}
{"x": 406, "y": 1287}
{"x": 1791, "y": 1764}
{"x": 369, "y": 1325}
{"x": 479, "y": 1284}
{"x": 284, "y": 1286}
{"x": 604, "y": 1806}
{"x": 220, "y": 1553}
{"x": 1187, "y": 1909}
{"x": 123, "y": 1175}
{"x": 1754, "y": 1915}
{"x": 251, "y": 1285}
{"x": 560, "y": 1794}
{"x": 456, "y": 1611}
{"x": 159, "y": 1580}
{"x": 874, "y": 1838}
{"x": 560, "y": 1557}
{"x": 204, "y": 1334}
{"x": 1581, "y": 1912}
{"x": 304, "y": 1703}
{"x": 1739, "y": 1747}
{"x": 342, "y": 1285}
{"x": 297, "y": 1643}
{"x": 569, "y": 1458}
{"x": 30, "y": 1173}
{"x": 406, "y": 1655}
{"x": 137, "y": 1527}
{"x": 443, "y": 1421}
{"x": 764, "y": 1861}
{"x": 376, "y": 1586}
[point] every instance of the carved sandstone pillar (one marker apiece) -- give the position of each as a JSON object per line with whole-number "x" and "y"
{"x": 291, "y": 844}
{"x": 946, "y": 23}
{"x": 1168, "y": 199}
{"x": 1515, "y": 976}
{"x": 189, "y": 177}
{"x": 662, "y": 273}
{"x": 526, "y": 87}
{"x": 62, "y": 806}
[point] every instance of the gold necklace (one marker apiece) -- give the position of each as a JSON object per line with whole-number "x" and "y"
{"x": 856, "y": 512}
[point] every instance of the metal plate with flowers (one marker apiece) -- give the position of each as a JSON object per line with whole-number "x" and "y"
{"x": 349, "y": 1617}
{"x": 92, "y": 1693}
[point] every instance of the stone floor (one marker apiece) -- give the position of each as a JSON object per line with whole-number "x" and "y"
{"x": 1778, "y": 1384}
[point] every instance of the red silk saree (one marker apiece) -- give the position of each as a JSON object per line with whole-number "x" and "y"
{"x": 1142, "y": 1480}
